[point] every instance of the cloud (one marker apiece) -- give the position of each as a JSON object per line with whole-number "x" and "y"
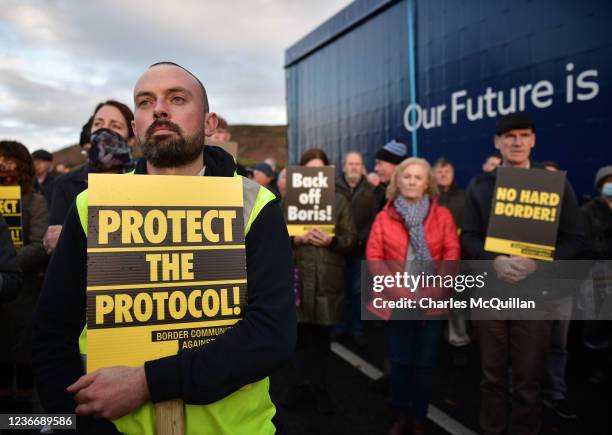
{"x": 60, "y": 58}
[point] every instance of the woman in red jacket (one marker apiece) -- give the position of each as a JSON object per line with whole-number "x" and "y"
{"x": 412, "y": 226}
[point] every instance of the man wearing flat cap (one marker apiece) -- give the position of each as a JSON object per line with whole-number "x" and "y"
{"x": 521, "y": 345}
{"x": 44, "y": 182}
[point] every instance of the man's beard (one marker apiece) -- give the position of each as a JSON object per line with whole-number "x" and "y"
{"x": 170, "y": 151}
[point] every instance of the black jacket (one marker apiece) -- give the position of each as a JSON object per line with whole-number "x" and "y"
{"x": 380, "y": 197}
{"x": 246, "y": 353}
{"x": 598, "y": 223}
{"x": 46, "y": 188}
{"x": 453, "y": 199}
{"x": 363, "y": 207}
{"x": 65, "y": 189}
{"x": 10, "y": 275}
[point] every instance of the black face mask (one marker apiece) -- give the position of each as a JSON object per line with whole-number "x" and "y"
{"x": 109, "y": 151}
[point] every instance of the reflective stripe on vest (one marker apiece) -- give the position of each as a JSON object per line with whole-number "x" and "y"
{"x": 247, "y": 411}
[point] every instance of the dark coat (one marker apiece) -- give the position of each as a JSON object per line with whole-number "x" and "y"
{"x": 322, "y": 271}
{"x": 15, "y": 317}
{"x": 46, "y": 188}
{"x": 453, "y": 199}
{"x": 363, "y": 209}
{"x": 598, "y": 225}
{"x": 10, "y": 275}
{"x": 65, "y": 190}
{"x": 380, "y": 197}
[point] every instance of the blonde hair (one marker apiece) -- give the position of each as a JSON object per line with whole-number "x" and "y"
{"x": 393, "y": 190}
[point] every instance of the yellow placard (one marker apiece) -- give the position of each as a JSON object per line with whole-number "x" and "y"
{"x": 521, "y": 249}
{"x": 10, "y": 208}
{"x": 299, "y": 230}
{"x": 166, "y": 265}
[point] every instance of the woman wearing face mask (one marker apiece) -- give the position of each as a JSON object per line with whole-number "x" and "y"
{"x": 319, "y": 259}
{"x": 17, "y": 168}
{"x": 107, "y": 152}
{"x": 412, "y": 226}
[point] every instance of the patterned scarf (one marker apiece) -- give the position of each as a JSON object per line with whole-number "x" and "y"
{"x": 414, "y": 215}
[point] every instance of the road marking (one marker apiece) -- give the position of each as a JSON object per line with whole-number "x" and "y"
{"x": 447, "y": 423}
{"x": 436, "y": 415}
{"x": 356, "y": 361}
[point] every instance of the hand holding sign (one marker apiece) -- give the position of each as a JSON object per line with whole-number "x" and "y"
{"x": 513, "y": 269}
{"x": 319, "y": 238}
{"x": 111, "y": 392}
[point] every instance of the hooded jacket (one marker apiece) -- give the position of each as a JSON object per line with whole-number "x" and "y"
{"x": 247, "y": 353}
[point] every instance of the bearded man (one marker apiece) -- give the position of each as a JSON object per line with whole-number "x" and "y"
{"x": 223, "y": 384}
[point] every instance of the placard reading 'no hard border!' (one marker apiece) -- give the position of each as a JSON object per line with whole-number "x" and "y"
{"x": 310, "y": 198}
{"x": 166, "y": 265}
{"x": 10, "y": 207}
{"x": 525, "y": 212}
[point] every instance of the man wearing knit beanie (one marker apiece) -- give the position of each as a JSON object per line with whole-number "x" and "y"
{"x": 387, "y": 159}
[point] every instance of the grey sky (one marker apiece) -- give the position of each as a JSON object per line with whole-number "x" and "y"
{"x": 58, "y": 59}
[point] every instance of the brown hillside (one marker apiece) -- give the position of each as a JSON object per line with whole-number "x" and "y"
{"x": 256, "y": 142}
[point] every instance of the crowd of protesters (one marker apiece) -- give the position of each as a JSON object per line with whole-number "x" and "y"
{"x": 413, "y": 211}
{"x": 407, "y": 209}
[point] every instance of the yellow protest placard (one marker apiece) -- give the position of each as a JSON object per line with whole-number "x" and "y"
{"x": 525, "y": 213}
{"x": 166, "y": 265}
{"x": 10, "y": 207}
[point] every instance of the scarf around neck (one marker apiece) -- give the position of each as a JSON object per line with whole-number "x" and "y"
{"x": 414, "y": 215}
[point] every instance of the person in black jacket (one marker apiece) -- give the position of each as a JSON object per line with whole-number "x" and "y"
{"x": 598, "y": 221}
{"x": 10, "y": 275}
{"x": 17, "y": 168}
{"x": 353, "y": 184}
{"x": 528, "y": 339}
{"x": 45, "y": 179}
{"x": 171, "y": 121}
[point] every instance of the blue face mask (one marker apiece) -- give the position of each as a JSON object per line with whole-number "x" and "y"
{"x": 607, "y": 190}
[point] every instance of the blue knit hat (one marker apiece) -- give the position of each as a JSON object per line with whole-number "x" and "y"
{"x": 393, "y": 152}
{"x": 265, "y": 168}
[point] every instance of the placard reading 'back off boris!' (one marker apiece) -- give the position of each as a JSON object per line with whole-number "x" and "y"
{"x": 310, "y": 198}
{"x": 166, "y": 265}
{"x": 525, "y": 212}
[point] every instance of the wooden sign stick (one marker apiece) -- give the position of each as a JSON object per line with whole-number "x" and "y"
{"x": 170, "y": 418}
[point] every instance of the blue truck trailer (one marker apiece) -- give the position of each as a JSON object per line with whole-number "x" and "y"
{"x": 436, "y": 74}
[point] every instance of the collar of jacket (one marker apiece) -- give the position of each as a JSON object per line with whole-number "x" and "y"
{"x": 532, "y": 165}
{"x": 452, "y": 189}
{"x": 219, "y": 163}
{"x": 341, "y": 181}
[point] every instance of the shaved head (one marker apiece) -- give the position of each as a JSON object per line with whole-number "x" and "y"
{"x": 202, "y": 88}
